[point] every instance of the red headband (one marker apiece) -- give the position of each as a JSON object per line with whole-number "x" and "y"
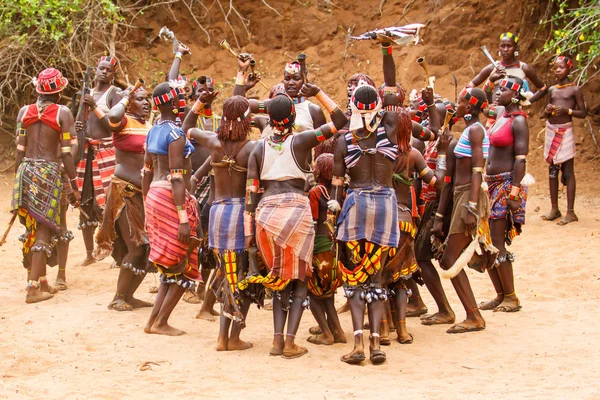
{"x": 466, "y": 93}
{"x": 512, "y": 85}
{"x": 112, "y": 60}
{"x": 567, "y": 60}
{"x": 164, "y": 98}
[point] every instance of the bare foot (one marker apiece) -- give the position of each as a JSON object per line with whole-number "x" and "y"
{"x": 87, "y": 261}
{"x": 222, "y": 343}
{"x": 206, "y": 315}
{"x": 323, "y": 338}
{"x": 510, "y": 304}
{"x": 438, "y": 318}
{"x": 153, "y": 289}
{"x": 277, "y": 348}
{"x": 166, "y": 329}
{"x": 148, "y": 327}
{"x": 269, "y": 306}
{"x": 568, "y": 218}
{"x": 214, "y": 313}
{"x": 35, "y": 296}
{"x": 238, "y": 344}
{"x": 293, "y": 351}
{"x": 552, "y": 215}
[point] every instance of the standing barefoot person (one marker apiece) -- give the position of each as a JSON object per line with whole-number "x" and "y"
{"x": 284, "y": 226}
{"x": 96, "y": 168}
{"x": 565, "y": 101}
{"x": 506, "y": 164}
{"x": 326, "y": 275}
{"x": 509, "y": 64}
{"x": 123, "y": 232}
{"x": 171, "y": 214}
{"x": 471, "y": 205}
{"x": 230, "y": 150}
{"x": 44, "y": 131}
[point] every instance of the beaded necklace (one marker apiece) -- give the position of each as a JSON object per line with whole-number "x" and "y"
{"x": 565, "y": 85}
{"x": 276, "y": 141}
{"x": 356, "y": 138}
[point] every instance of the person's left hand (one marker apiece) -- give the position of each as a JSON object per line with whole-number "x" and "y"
{"x": 427, "y": 95}
{"x": 513, "y": 205}
{"x": 558, "y": 110}
{"x": 207, "y": 97}
{"x": 470, "y": 222}
{"x": 309, "y": 90}
{"x": 183, "y": 49}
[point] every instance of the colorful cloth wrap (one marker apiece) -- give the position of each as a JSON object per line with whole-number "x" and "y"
{"x": 122, "y": 197}
{"x": 402, "y": 262}
{"x": 167, "y": 253}
{"x": 559, "y": 145}
{"x": 499, "y": 187}
{"x": 326, "y": 276}
{"x": 285, "y": 236}
{"x": 369, "y": 214}
{"x": 36, "y": 197}
{"x": 94, "y": 173}
{"x": 226, "y": 225}
{"x": 485, "y": 258}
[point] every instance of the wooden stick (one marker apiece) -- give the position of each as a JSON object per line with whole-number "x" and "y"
{"x": 589, "y": 124}
{"x": 10, "y": 224}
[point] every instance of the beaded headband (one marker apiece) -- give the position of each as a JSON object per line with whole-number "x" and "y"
{"x": 466, "y": 93}
{"x": 293, "y": 68}
{"x": 164, "y": 98}
{"x": 112, "y": 60}
{"x": 512, "y": 85}
{"x": 511, "y": 36}
{"x": 239, "y": 119}
{"x": 566, "y": 60}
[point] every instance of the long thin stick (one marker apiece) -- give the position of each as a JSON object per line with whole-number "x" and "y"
{"x": 10, "y": 224}
{"x": 589, "y": 124}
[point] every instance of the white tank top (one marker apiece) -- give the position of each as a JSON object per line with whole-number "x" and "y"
{"x": 280, "y": 165}
{"x": 103, "y": 100}
{"x": 304, "y": 121}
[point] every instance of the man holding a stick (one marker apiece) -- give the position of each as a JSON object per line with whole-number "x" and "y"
{"x": 43, "y": 141}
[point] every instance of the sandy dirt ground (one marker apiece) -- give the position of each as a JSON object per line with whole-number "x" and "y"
{"x": 73, "y": 347}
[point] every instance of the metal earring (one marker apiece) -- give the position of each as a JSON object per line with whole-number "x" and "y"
{"x": 175, "y": 111}
{"x": 514, "y": 100}
{"x": 517, "y": 53}
{"x": 468, "y": 117}
{"x": 499, "y": 53}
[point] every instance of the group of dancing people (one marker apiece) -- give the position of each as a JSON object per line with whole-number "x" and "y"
{"x": 364, "y": 202}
